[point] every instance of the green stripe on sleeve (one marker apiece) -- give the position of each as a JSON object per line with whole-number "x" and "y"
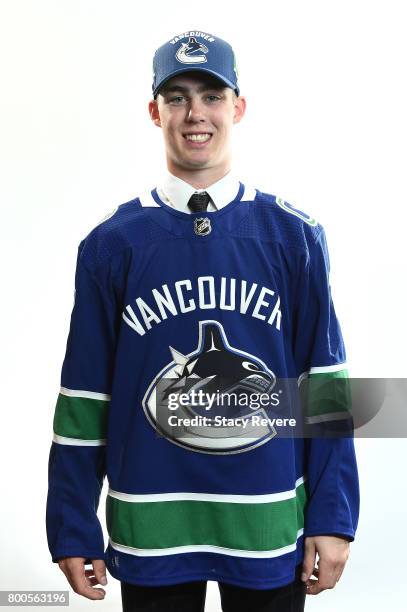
{"x": 81, "y": 417}
{"x": 328, "y": 393}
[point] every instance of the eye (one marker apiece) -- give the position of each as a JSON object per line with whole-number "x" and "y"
{"x": 176, "y": 100}
{"x": 249, "y": 365}
{"x": 213, "y": 97}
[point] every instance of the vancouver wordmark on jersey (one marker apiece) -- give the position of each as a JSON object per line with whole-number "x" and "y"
{"x": 205, "y": 292}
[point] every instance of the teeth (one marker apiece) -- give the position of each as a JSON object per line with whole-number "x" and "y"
{"x": 198, "y": 137}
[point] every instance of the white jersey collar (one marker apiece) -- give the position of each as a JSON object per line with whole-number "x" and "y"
{"x": 176, "y": 192}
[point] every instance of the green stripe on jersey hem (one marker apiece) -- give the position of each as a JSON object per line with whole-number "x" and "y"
{"x": 159, "y": 525}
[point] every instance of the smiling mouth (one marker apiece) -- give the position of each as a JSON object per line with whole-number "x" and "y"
{"x": 202, "y": 137}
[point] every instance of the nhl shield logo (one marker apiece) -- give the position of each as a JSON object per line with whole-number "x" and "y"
{"x": 202, "y": 226}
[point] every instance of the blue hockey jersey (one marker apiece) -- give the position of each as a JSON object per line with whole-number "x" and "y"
{"x": 168, "y": 304}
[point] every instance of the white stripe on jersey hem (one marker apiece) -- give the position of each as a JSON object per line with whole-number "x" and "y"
{"x": 331, "y": 368}
{"x": 77, "y": 441}
{"x": 87, "y": 394}
{"x": 213, "y": 497}
{"x": 329, "y": 416}
{"x": 158, "y": 552}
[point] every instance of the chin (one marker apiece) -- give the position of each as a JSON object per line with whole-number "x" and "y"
{"x": 195, "y": 163}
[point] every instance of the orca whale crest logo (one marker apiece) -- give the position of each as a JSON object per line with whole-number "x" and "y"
{"x": 215, "y": 368}
{"x": 192, "y": 52}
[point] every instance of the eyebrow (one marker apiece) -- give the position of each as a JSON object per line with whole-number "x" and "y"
{"x": 201, "y": 88}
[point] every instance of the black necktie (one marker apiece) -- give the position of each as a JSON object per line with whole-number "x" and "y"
{"x": 198, "y": 202}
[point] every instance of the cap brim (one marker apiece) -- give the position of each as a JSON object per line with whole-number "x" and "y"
{"x": 221, "y": 78}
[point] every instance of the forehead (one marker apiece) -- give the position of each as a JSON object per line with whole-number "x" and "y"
{"x": 196, "y": 81}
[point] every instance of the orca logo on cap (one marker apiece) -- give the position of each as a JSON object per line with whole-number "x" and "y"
{"x": 191, "y": 52}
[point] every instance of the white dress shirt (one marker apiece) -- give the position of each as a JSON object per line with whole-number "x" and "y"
{"x": 176, "y": 193}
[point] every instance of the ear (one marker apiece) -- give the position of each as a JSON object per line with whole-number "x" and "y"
{"x": 240, "y": 108}
{"x": 154, "y": 112}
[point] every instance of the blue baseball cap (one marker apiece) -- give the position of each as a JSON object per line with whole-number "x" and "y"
{"x": 195, "y": 51}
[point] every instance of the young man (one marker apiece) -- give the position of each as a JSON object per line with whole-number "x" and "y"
{"x": 199, "y": 289}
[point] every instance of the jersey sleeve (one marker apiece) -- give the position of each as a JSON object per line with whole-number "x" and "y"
{"x": 76, "y": 466}
{"x": 320, "y": 357}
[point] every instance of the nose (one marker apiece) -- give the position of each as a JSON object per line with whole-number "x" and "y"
{"x": 196, "y": 110}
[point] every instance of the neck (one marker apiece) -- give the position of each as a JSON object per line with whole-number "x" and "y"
{"x": 200, "y": 178}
